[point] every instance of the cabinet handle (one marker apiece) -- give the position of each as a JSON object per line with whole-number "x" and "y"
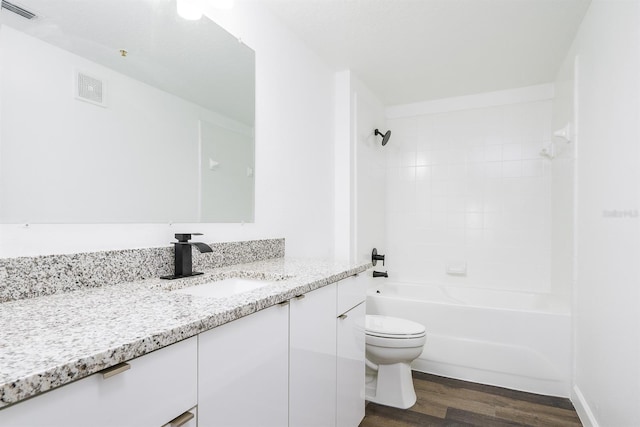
{"x": 283, "y": 303}
{"x": 181, "y": 419}
{"x": 115, "y": 370}
{"x": 342, "y": 316}
{"x": 300, "y": 296}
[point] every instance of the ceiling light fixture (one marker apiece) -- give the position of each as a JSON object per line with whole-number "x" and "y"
{"x": 190, "y": 9}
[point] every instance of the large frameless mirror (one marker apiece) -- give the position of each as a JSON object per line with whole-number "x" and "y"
{"x": 120, "y": 111}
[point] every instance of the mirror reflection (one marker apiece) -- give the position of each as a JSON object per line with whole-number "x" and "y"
{"x": 117, "y": 111}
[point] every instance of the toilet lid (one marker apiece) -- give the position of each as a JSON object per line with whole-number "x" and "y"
{"x": 393, "y": 327}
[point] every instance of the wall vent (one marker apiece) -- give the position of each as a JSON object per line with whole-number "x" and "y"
{"x": 90, "y": 89}
{"x": 18, "y": 10}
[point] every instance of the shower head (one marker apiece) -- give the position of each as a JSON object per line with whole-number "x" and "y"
{"x": 385, "y": 136}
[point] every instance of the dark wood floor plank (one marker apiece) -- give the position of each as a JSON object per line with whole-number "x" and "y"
{"x": 450, "y": 402}
{"x": 431, "y": 407}
{"x": 394, "y": 417}
{"x": 538, "y": 416}
{"x": 459, "y": 398}
{"x": 559, "y": 402}
{"x": 473, "y": 400}
{"x": 381, "y": 421}
{"x": 480, "y": 420}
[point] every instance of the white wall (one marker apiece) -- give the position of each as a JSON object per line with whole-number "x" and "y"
{"x": 466, "y": 186}
{"x": 607, "y": 292}
{"x": 343, "y": 164}
{"x": 370, "y": 173}
{"x": 359, "y": 170}
{"x": 562, "y": 188}
{"x": 294, "y": 171}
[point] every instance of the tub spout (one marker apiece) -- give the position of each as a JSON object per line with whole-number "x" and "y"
{"x": 380, "y": 274}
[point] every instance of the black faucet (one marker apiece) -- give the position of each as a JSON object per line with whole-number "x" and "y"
{"x": 183, "y": 259}
{"x": 375, "y": 257}
{"x": 380, "y": 274}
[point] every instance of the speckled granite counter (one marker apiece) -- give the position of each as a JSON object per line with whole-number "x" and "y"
{"x": 52, "y": 340}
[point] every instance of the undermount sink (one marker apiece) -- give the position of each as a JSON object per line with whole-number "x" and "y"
{"x": 224, "y": 288}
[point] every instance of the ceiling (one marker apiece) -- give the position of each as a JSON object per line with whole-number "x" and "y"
{"x": 416, "y": 50}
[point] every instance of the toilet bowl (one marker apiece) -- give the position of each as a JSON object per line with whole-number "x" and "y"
{"x": 391, "y": 345}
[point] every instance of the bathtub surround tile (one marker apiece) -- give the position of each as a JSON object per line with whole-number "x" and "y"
{"x": 493, "y": 170}
{"x": 512, "y": 151}
{"x": 53, "y": 340}
{"x": 424, "y": 158}
{"x": 423, "y": 173}
{"x": 456, "y": 203}
{"x": 493, "y": 153}
{"x": 29, "y": 277}
{"x": 474, "y": 203}
{"x": 487, "y": 181}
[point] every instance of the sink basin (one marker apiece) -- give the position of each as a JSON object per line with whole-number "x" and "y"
{"x": 224, "y": 288}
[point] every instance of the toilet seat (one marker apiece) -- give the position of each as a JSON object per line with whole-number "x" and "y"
{"x": 396, "y": 336}
{"x": 392, "y": 327}
{"x": 411, "y": 342}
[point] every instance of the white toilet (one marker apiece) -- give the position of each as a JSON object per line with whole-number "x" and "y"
{"x": 391, "y": 345}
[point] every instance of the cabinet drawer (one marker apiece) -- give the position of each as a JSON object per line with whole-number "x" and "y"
{"x": 153, "y": 390}
{"x": 351, "y": 292}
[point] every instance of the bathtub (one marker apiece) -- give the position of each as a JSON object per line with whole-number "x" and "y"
{"x": 517, "y": 340}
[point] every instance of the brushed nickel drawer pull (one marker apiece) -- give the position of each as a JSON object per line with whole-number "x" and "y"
{"x": 283, "y": 303}
{"x": 342, "y": 316}
{"x": 300, "y": 296}
{"x": 115, "y": 370}
{"x": 181, "y": 419}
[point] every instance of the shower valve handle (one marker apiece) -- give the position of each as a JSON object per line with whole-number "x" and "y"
{"x": 375, "y": 257}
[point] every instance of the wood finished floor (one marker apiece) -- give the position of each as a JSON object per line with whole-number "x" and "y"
{"x": 448, "y": 402}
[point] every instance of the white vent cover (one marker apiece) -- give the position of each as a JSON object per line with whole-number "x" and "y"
{"x": 18, "y": 10}
{"x": 90, "y": 89}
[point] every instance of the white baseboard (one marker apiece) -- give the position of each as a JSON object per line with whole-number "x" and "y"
{"x": 582, "y": 408}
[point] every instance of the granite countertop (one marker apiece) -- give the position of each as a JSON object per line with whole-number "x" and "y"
{"x": 49, "y": 341}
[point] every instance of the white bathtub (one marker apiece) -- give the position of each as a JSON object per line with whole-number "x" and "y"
{"x": 516, "y": 340}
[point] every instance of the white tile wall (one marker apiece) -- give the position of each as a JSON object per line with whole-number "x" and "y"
{"x": 470, "y": 187}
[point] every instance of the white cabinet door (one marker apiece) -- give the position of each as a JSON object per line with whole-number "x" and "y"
{"x": 157, "y": 388}
{"x": 243, "y": 371}
{"x": 312, "y": 367}
{"x": 350, "y": 369}
{"x": 351, "y": 292}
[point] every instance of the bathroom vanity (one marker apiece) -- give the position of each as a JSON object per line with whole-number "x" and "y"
{"x": 143, "y": 353}
{"x": 256, "y": 385}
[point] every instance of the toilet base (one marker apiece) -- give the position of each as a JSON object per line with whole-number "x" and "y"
{"x": 393, "y": 386}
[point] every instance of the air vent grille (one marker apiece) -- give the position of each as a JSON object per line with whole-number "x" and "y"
{"x": 90, "y": 89}
{"x": 17, "y": 10}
